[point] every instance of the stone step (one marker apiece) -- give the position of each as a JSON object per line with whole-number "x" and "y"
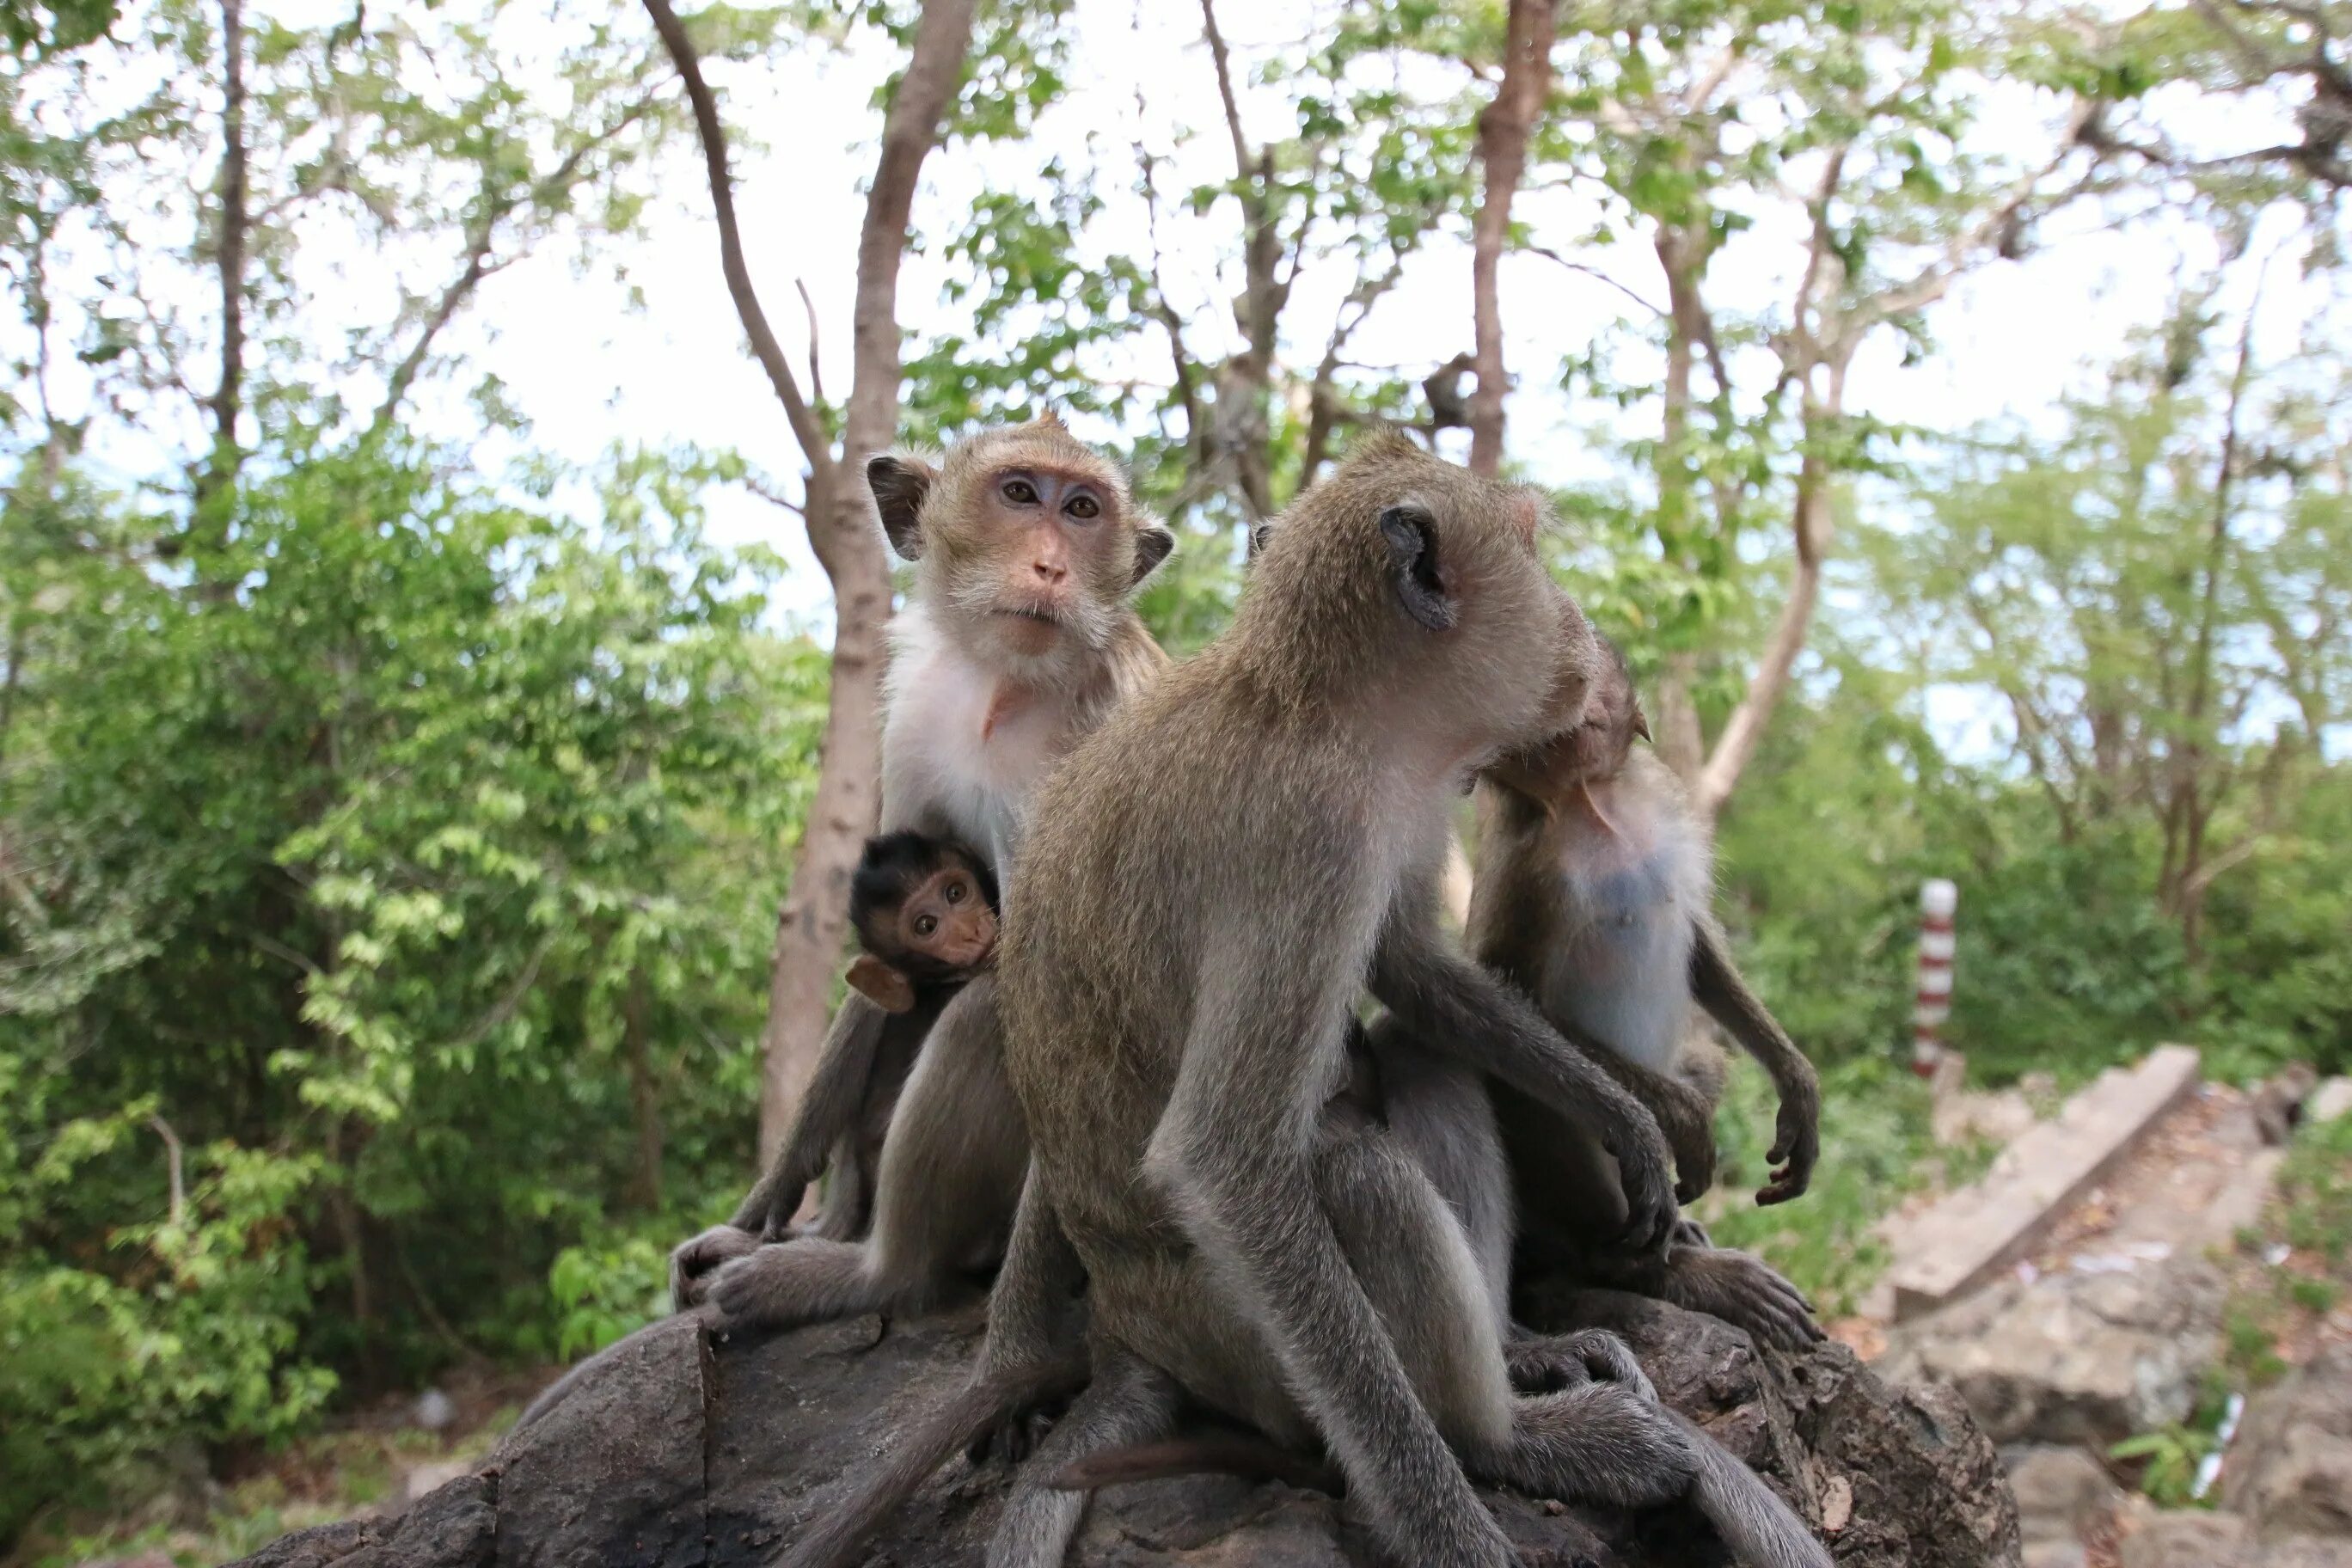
{"x": 1970, "y": 1237}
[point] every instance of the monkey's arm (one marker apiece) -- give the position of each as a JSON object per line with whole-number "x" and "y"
{"x": 1461, "y": 1009}
{"x": 828, "y": 1110}
{"x": 1715, "y": 981}
{"x": 1684, "y": 1115}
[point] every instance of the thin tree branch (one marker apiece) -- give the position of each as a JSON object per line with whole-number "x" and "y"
{"x": 228, "y": 397}
{"x": 1504, "y": 127}
{"x": 773, "y": 496}
{"x": 816, "y": 366}
{"x": 1597, "y": 275}
{"x": 174, "y": 1160}
{"x": 1225, "y": 88}
{"x": 816, "y": 450}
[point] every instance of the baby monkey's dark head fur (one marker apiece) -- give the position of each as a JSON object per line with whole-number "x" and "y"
{"x": 925, "y": 911}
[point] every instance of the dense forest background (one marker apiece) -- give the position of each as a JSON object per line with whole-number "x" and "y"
{"x": 396, "y": 805}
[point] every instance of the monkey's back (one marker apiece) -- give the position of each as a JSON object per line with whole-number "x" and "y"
{"x": 1131, "y": 861}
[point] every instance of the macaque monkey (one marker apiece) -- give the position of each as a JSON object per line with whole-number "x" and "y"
{"x": 1592, "y": 896}
{"x": 1244, "y": 1243}
{"x": 925, "y": 912}
{"x": 1018, "y": 637}
{"x": 1598, "y": 882}
{"x": 1283, "y": 796}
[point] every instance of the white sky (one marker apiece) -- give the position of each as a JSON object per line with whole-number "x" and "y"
{"x": 587, "y": 371}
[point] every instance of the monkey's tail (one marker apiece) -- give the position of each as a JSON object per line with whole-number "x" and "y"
{"x": 1762, "y": 1530}
{"x": 923, "y": 1445}
{"x": 1249, "y": 1457}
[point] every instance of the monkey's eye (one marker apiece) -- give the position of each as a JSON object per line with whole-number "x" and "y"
{"x": 1084, "y": 506}
{"x": 926, "y": 924}
{"x": 955, "y": 892}
{"x": 1020, "y": 493}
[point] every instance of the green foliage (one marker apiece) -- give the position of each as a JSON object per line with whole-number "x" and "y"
{"x": 2315, "y": 1195}
{"x": 444, "y": 908}
{"x": 2168, "y": 1461}
{"x": 606, "y": 1287}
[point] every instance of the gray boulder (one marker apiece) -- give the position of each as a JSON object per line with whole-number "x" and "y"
{"x": 689, "y": 1453}
{"x": 2085, "y": 1359}
{"x": 2290, "y": 1472}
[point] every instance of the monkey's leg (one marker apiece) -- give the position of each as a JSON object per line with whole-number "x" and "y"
{"x": 1129, "y": 1402}
{"x": 951, "y": 1168}
{"x": 1036, "y": 1313}
{"x": 828, "y": 1109}
{"x": 1717, "y": 982}
{"x": 848, "y": 1190}
{"x": 1594, "y": 1442}
{"x": 1441, "y": 1114}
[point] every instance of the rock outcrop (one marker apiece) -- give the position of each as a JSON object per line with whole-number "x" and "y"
{"x": 687, "y": 1452}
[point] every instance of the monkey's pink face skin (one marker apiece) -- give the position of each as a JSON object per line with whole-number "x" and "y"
{"x": 947, "y": 919}
{"x": 1056, "y": 547}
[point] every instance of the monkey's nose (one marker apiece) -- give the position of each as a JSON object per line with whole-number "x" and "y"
{"x": 1049, "y": 573}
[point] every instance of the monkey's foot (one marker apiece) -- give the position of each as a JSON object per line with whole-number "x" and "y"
{"x": 1550, "y": 1364}
{"x": 694, "y": 1260}
{"x": 1600, "y": 1442}
{"x": 785, "y": 1284}
{"x": 1012, "y": 1440}
{"x": 1747, "y": 1293}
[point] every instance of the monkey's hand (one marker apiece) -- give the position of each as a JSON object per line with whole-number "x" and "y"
{"x": 697, "y": 1258}
{"x": 1747, "y": 1293}
{"x": 1688, "y": 1124}
{"x": 1644, "y": 1165}
{"x": 1796, "y": 1144}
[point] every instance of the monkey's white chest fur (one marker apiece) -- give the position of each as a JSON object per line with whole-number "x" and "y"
{"x": 1624, "y": 974}
{"x": 963, "y": 748}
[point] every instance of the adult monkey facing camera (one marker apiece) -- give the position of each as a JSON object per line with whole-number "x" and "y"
{"x": 1294, "y": 778}
{"x": 1017, "y": 639}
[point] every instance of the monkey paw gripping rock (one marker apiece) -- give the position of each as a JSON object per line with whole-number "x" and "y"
{"x": 686, "y": 1452}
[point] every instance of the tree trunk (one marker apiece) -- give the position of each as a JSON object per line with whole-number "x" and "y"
{"x": 645, "y": 1097}
{"x": 1814, "y": 522}
{"x": 227, "y": 399}
{"x": 1504, "y": 129}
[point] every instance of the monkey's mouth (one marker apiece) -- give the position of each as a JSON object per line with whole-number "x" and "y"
{"x": 1038, "y": 614}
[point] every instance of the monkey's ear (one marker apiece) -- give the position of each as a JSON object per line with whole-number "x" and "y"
{"x": 900, "y": 485}
{"x": 1410, "y": 532}
{"x": 1152, "y": 544}
{"x": 1259, "y": 534}
{"x": 1641, "y": 720}
{"x": 881, "y": 984}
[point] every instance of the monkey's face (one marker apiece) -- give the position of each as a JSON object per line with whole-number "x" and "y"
{"x": 947, "y": 920}
{"x": 1027, "y": 542}
{"x": 1045, "y": 552}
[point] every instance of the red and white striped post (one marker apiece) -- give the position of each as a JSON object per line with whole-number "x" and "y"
{"x": 1933, "y": 1003}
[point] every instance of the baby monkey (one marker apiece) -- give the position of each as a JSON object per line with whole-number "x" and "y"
{"x": 925, "y": 911}
{"x": 1595, "y": 890}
